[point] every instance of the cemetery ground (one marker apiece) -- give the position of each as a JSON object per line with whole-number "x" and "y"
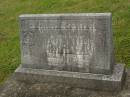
{"x": 9, "y": 29}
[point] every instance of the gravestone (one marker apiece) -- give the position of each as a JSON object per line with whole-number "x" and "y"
{"x": 74, "y": 49}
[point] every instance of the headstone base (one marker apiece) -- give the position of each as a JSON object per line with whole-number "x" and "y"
{"x": 74, "y": 79}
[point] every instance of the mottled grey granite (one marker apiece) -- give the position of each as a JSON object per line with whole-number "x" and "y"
{"x": 73, "y": 49}
{"x": 75, "y": 79}
{"x": 68, "y": 42}
{"x": 15, "y": 88}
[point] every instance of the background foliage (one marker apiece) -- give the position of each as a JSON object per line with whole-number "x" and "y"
{"x": 9, "y": 29}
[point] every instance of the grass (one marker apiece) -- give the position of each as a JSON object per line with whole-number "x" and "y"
{"x": 9, "y": 30}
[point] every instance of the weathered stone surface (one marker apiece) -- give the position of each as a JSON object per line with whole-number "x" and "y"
{"x": 14, "y": 88}
{"x": 68, "y": 42}
{"x": 72, "y": 49}
{"x": 75, "y": 79}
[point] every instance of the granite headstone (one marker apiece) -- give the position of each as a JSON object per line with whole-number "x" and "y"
{"x": 66, "y": 44}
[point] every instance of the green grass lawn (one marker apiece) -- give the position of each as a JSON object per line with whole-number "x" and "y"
{"x": 9, "y": 29}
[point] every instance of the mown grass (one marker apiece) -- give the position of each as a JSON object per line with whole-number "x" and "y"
{"x": 9, "y": 30}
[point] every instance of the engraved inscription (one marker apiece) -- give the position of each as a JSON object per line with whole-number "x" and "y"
{"x": 67, "y": 43}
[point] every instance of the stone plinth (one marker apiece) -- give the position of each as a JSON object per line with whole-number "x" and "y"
{"x": 75, "y": 79}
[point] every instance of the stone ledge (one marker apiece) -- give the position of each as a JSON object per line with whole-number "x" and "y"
{"x": 75, "y": 79}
